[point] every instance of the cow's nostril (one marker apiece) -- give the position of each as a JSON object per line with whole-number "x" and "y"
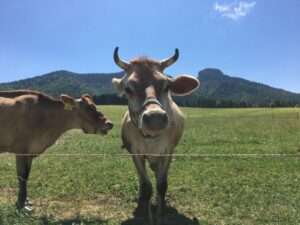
{"x": 109, "y": 125}
{"x": 146, "y": 118}
{"x": 155, "y": 120}
{"x": 164, "y": 118}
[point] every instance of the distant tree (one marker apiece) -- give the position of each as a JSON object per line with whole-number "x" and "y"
{"x": 109, "y": 99}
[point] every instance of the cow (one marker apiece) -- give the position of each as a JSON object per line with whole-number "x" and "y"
{"x": 32, "y": 121}
{"x": 153, "y": 124}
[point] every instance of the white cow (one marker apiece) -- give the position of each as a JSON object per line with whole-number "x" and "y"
{"x": 153, "y": 124}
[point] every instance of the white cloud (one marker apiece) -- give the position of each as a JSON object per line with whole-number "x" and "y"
{"x": 234, "y": 10}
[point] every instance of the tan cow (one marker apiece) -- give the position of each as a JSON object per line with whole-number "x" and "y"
{"x": 30, "y": 122}
{"x": 153, "y": 124}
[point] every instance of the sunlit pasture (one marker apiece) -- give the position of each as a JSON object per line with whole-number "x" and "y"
{"x": 233, "y": 166}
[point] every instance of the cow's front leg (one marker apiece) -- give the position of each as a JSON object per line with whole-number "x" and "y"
{"x": 145, "y": 189}
{"x": 23, "y": 165}
{"x": 161, "y": 174}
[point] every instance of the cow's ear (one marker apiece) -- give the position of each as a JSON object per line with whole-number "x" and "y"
{"x": 184, "y": 85}
{"x": 68, "y": 101}
{"x": 86, "y": 98}
{"x": 118, "y": 85}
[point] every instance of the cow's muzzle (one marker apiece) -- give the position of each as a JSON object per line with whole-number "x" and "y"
{"x": 154, "y": 118}
{"x": 108, "y": 125}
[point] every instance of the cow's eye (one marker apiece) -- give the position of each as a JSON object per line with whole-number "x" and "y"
{"x": 89, "y": 108}
{"x": 100, "y": 114}
{"x": 128, "y": 91}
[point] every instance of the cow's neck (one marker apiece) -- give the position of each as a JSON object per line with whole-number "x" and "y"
{"x": 63, "y": 120}
{"x": 70, "y": 120}
{"x": 57, "y": 122}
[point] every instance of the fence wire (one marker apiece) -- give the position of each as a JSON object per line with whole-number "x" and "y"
{"x": 175, "y": 155}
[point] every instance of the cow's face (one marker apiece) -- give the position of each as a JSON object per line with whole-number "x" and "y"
{"x": 90, "y": 120}
{"x": 149, "y": 90}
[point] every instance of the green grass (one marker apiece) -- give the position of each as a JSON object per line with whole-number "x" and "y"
{"x": 220, "y": 186}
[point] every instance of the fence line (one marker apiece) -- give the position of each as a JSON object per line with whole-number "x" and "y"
{"x": 179, "y": 155}
{"x": 295, "y": 116}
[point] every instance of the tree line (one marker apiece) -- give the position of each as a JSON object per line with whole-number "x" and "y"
{"x": 199, "y": 101}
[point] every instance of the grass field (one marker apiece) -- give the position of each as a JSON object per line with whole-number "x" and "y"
{"x": 228, "y": 176}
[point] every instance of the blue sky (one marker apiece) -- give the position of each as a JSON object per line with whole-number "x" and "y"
{"x": 257, "y": 40}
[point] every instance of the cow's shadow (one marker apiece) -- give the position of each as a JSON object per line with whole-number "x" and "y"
{"x": 172, "y": 217}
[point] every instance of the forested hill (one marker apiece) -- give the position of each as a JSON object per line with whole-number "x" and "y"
{"x": 221, "y": 87}
{"x": 216, "y": 89}
{"x": 67, "y": 82}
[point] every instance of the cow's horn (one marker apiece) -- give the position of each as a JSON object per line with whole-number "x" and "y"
{"x": 123, "y": 64}
{"x": 169, "y": 61}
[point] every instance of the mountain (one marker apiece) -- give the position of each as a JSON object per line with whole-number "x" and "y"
{"x": 216, "y": 85}
{"x": 67, "y": 82}
{"x": 216, "y": 89}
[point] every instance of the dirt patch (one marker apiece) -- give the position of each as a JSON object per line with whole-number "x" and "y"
{"x": 8, "y": 195}
{"x": 101, "y": 207}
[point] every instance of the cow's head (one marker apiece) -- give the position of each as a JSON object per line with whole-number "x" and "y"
{"x": 87, "y": 117}
{"x": 149, "y": 90}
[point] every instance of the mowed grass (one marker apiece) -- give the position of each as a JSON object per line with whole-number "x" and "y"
{"x": 228, "y": 175}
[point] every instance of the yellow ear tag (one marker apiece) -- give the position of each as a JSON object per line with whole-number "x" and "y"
{"x": 68, "y": 107}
